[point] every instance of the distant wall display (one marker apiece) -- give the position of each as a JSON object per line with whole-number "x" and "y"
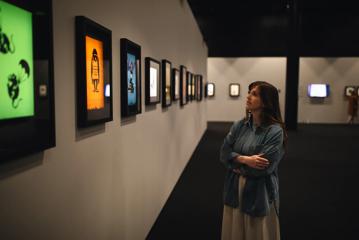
{"x": 183, "y": 83}
{"x": 130, "y": 78}
{"x": 234, "y": 89}
{"x": 210, "y": 89}
{"x": 26, "y": 78}
{"x": 318, "y": 90}
{"x": 349, "y": 89}
{"x": 175, "y": 84}
{"x": 16, "y": 61}
{"x": 199, "y": 87}
{"x": 94, "y": 72}
{"x": 166, "y": 83}
{"x": 152, "y": 81}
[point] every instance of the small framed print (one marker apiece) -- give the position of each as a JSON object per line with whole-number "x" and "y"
{"x": 234, "y": 89}
{"x": 189, "y": 86}
{"x": 199, "y": 87}
{"x": 210, "y": 89}
{"x": 166, "y": 83}
{"x": 152, "y": 81}
{"x": 183, "y": 83}
{"x": 349, "y": 89}
{"x": 193, "y": 87}
{"x": 130, "y": 78}
{"x": 94, "y": 72}
{"x": 175, "y": 84}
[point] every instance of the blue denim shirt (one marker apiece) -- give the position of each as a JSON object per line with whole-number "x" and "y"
{"x": 261, "y": 187}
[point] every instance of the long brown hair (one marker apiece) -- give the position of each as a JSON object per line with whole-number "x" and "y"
{"x": 271, "y": 110}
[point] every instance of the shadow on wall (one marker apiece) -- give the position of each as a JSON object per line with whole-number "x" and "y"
{"x": 16, "y": 166}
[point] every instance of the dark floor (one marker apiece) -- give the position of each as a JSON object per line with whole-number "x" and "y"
{"x": 318, "y": 187}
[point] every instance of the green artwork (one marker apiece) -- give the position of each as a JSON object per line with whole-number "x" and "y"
{"x": 16, "y": 62}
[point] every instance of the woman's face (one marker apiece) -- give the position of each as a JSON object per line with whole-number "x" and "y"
{"x": 254, "y": 101}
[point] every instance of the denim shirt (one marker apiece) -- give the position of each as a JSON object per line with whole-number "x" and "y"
{"x": 261, "y": 187}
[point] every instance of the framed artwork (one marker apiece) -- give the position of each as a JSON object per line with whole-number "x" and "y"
{"x": 93, "y": 72}
{"x": 349, "y": 89}
{"x": 166, "y": 83}
{"x": 183, "y": 83}
{"x": 193, "y": 86}
{"x": 234, "y": 89}
{"x": 130, "y": 78}
{"x": 210, "y": 89}
{"x": 27, "y": 116}
{"x": 189, "y": 86}
{"x": 199, "y": 87}
{"x": 175, "y": 84}
{"x": 152, "y": 81}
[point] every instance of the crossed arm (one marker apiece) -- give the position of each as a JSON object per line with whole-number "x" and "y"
{"x": 255, "y": 165}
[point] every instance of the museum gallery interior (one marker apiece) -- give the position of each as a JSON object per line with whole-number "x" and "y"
{"x": 113, "y": 113}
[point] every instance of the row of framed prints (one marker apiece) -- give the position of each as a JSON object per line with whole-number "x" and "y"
{"x": 234, "y": 90}
{"x": 163, "y": 83}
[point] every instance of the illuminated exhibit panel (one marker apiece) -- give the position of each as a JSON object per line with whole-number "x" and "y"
{"x": 183, "y": 83}
{"x": 27, "y": 100}
{"x": 234, "y": 90}
{"x": 175, "y": 84}
{"x": 16, "y": 61}
{"x": 131, "y": 78}
{"x": 166, "y": 83}
{"x": 94, "y": 74}
{"x": 153, "y": 81}
{"x": 318, "y": 90}
{"x": 210, "y": 89}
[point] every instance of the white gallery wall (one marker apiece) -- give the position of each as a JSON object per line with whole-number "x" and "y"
{"x": 223, "y": 71}
{"x": 338, "y": 73}
{"x": 108, "y": 181}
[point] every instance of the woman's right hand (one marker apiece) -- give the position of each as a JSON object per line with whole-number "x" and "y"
{"x": 254, "y": 161}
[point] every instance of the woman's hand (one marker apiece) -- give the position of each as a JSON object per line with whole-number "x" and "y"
{"x": 254, "y": 161}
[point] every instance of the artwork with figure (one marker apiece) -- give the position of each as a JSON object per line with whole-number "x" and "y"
{"x": 16, "y": 61}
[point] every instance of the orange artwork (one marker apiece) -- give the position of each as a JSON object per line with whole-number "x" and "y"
{"x": 94, "y": 74}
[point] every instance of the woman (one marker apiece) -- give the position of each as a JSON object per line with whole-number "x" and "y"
{"x": 251, "y": 153}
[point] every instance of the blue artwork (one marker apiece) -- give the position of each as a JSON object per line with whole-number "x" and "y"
{"x": 131, "y": 79}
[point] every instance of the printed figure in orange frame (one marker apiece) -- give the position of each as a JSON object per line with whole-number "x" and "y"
{"x": 94, "y": 74}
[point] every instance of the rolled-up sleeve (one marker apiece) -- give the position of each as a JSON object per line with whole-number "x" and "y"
{"x": 227, "y": 153}
{"x": 272, "y": 150}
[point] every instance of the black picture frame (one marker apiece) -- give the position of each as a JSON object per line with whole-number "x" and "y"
{"x": 210, "y": 89}
{"x": 152, "y": 81}
{"x": 183, "y": 83}
{"x": 176, "y": 83}
{"x": 349, "y": 88}
{"x": 193, "y": 87}
{"x": 166, "y": 83}
{"x": 234, "y": 90}
{"x": 189, "y": 86}
{"x": 130, "y": 68}
{"x": 93, "y": 72}
{"x": 199, "y": 87}
{"x": 22, "y": 136}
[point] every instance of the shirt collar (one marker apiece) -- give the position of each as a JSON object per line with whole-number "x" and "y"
{"x": 249, "y": 123}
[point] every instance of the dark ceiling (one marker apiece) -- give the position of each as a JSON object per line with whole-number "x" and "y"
{"x": 276, "y": 27}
